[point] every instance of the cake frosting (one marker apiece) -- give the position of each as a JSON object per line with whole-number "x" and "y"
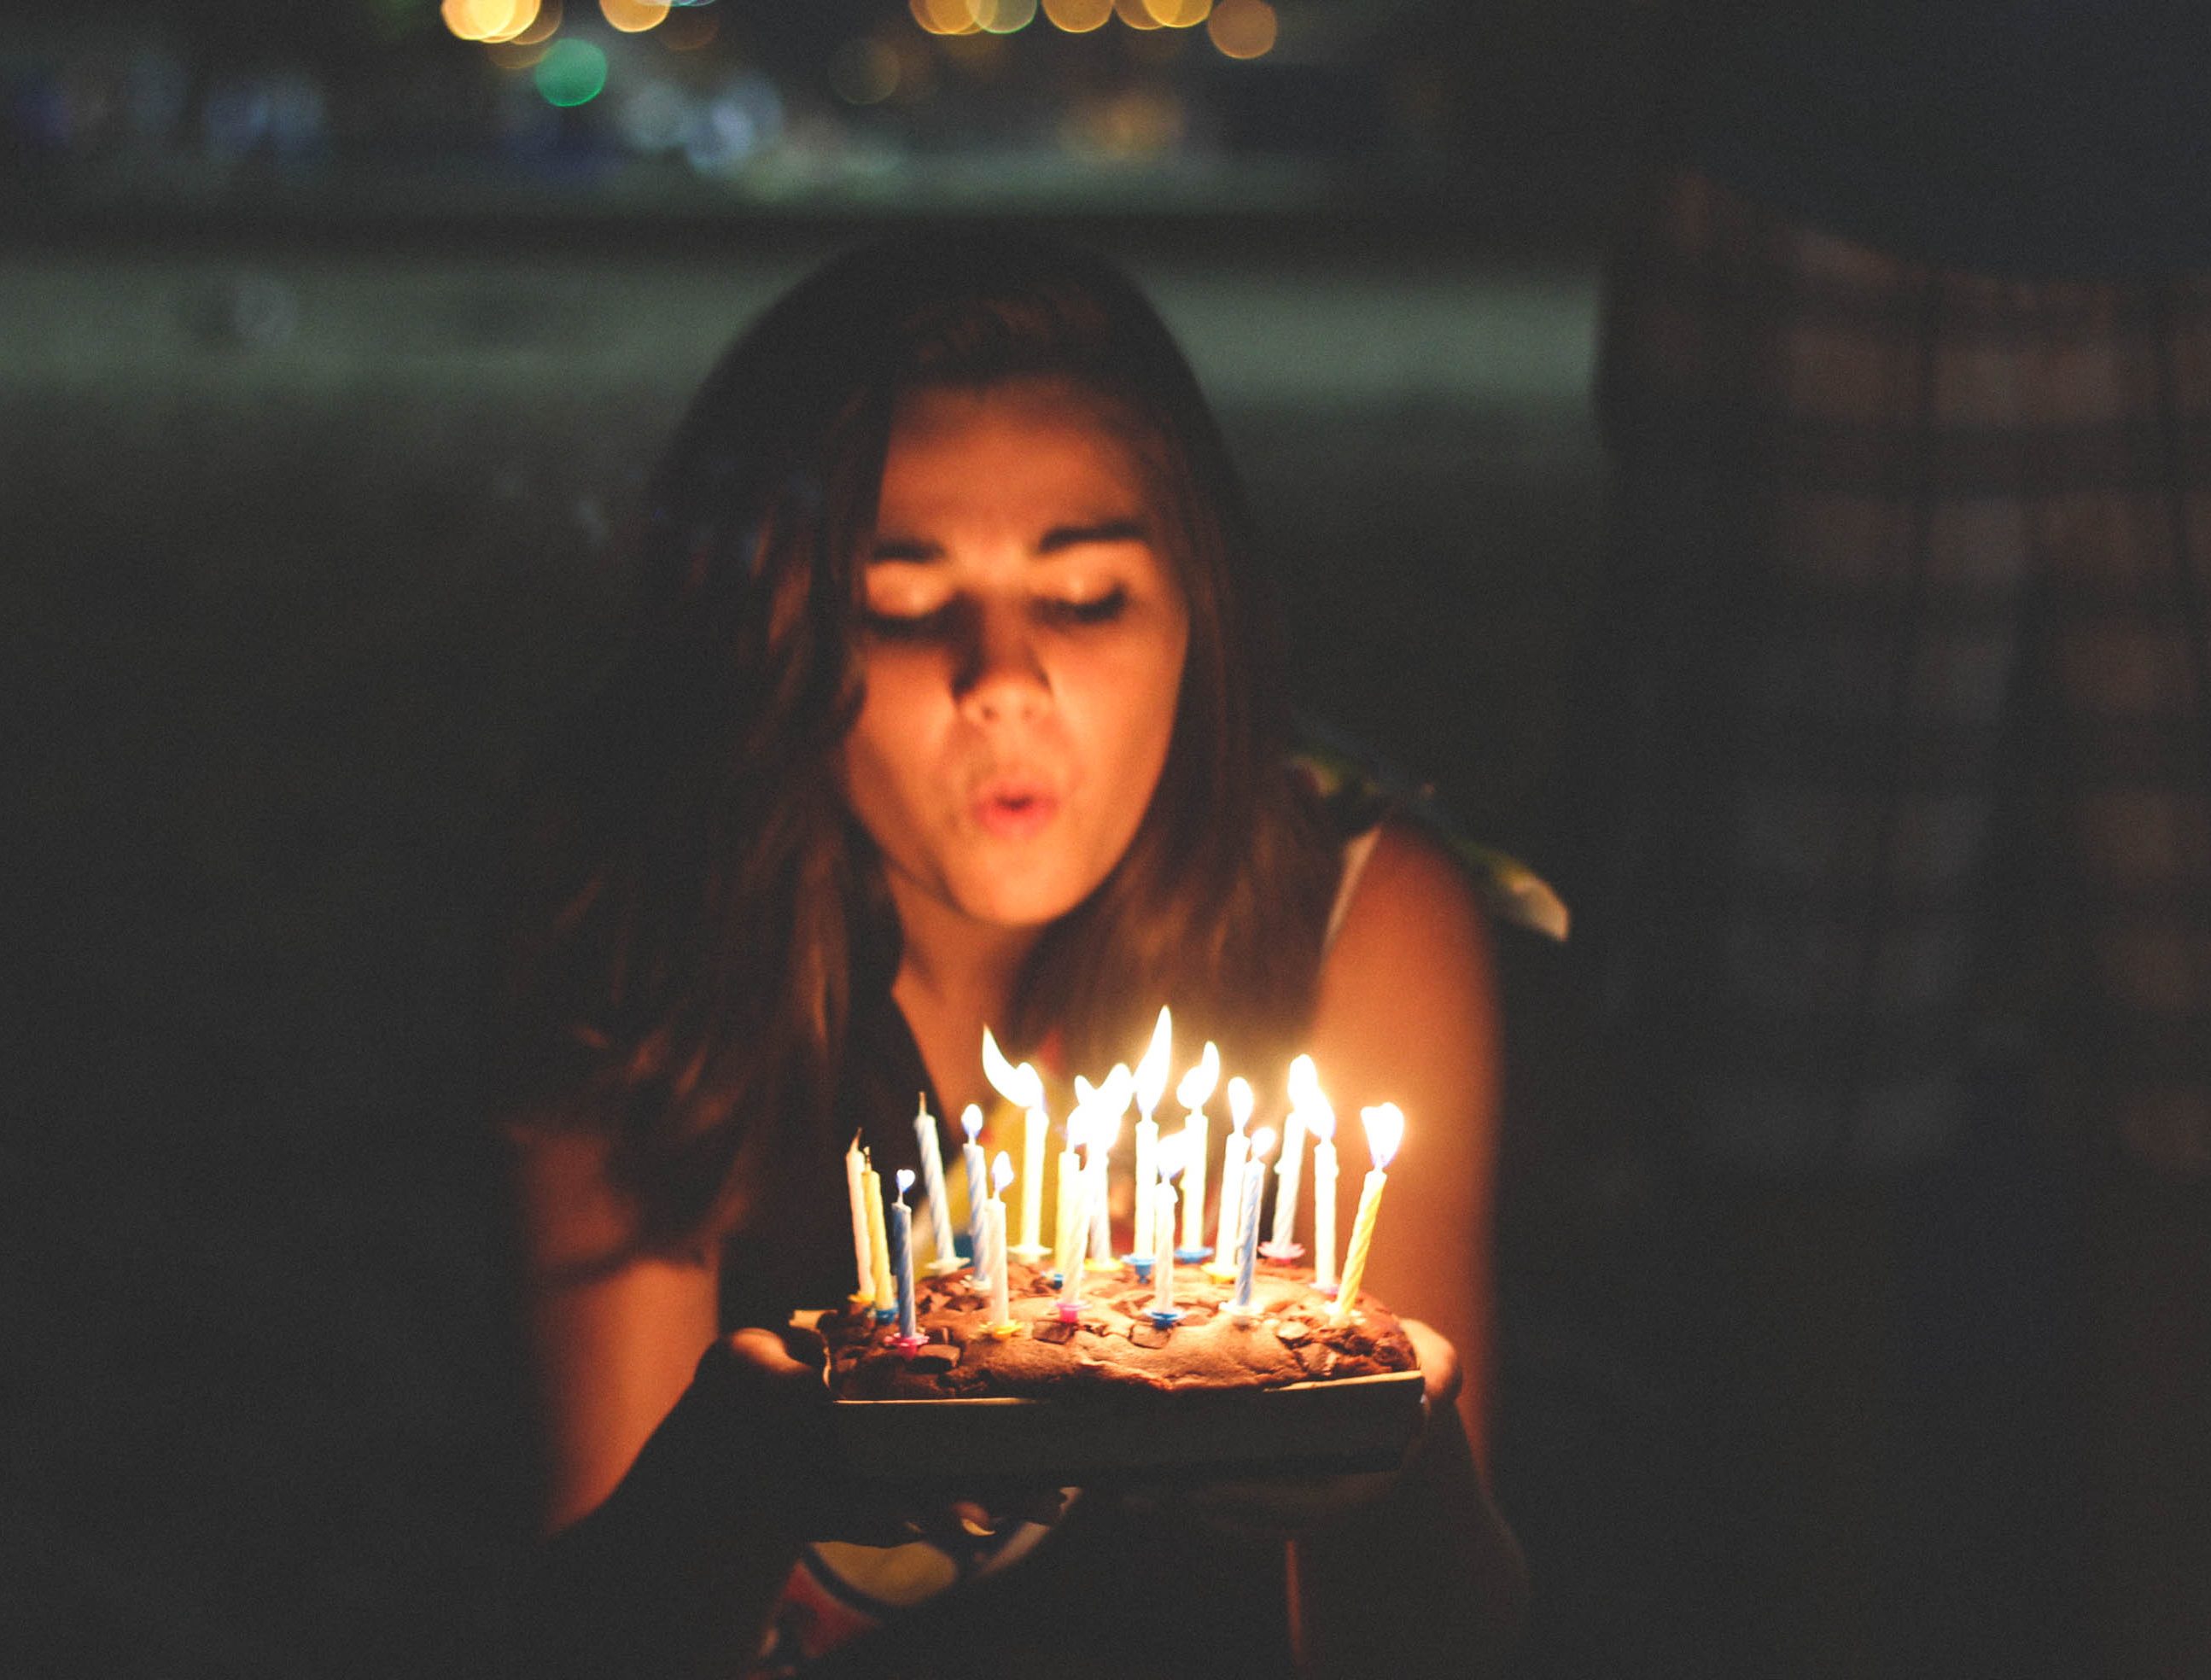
{"x": 1115, "y": 1347}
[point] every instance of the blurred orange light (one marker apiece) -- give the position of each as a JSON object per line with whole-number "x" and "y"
{"x": 1242, "y": 29}
{"x": 481, "y": 19}
{"x": 1078, "y": 17}
{"x": 633, "y": 17}
{"x": 519, "y": 23}
{"x": 515, "y": 55}
{"x": 543, "y": 27}
{"x": 1134, "y": 14}
{"x": 1004, "y": 17}
{"x": 1178, "y": 14}
{"x": 945, "y": 17}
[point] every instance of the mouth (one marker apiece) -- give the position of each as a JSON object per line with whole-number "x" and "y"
{"x": 1012, "y": 810}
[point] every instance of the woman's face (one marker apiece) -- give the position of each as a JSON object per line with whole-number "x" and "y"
{"x": 1021, "y": 645}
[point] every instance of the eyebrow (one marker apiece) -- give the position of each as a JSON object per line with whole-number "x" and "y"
{"x": 914, "y": 551}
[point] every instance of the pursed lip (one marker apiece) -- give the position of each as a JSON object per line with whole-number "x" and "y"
{"x": 1013, "y": 807}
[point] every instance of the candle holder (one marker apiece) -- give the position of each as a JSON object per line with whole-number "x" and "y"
{"x": 1143, "y": 1264}
{"x": 908, "y": 1346}
{"x": 1000, "y": 1331}
{"x": 1028, "y": 1253}
{"x": 1058, "y": 1281}
{"x": 1097, "y": 1267}
{"x": 1284, "y": 1252}
{"x": 1164, "y": 1317}
{"x": 1223, "y": 1270}
{"x": 885, "y": 1315}
{"x": 944, "y": 1265}
{"x": 1071, "y": 1311}
{"x": 1242, "y": 1317}
{"x": 1190, "y": 1257}
{"x": 861, "y": 1303}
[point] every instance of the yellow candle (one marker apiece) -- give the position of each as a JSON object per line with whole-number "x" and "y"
{"x": 1386, "y": 1127}
{"x": 856, "y": 1182}
{"x": 886, "y": 1300}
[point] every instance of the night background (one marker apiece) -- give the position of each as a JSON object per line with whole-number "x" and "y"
{"x": 332, "y": 347}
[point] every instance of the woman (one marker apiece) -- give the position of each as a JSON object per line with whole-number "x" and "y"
{"x": 951, "y": 700}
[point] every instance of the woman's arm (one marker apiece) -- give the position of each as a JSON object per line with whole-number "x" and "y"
{"x": 1407, "y": 1013}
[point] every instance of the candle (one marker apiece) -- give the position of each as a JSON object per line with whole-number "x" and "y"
{"x": 1196, "y": 1087}
{"x": 1302, "y": 1082}
{"x": 879, "y": 1249}
{"x": 1070, "y": 1275}
{"x": 1104, "y": 1132}
{"x": 855, "y": 1180}
{"x": 1247, "y": 1240}
{"x": 1001, "y": 1307}
{"x": 1151, "y": 1084}
{"x": 1385, "y": 1129}
{"x": 971, "y": 1160}
{"x": 1320, "y": 1121}
{"x": 1240, "y": 1103}
{"x": 1070, "y": 1179}
{"x": 1147, "y": 1140}
{"x": 1024, "y": 1086}
{"x": 902, "y": 1256}
{"x": 1171, "y": 1157}
{"x": 932, "y": 1186}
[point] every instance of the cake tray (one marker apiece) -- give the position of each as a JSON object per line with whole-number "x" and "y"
{"x": 1103, "y": 1436}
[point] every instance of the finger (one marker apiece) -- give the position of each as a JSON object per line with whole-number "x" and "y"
{"x": 1440, "y": 1366}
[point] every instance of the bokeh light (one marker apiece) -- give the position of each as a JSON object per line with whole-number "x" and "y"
{"x": 945, "y": 17}
{"x": 1243, "y": 28}
{"x": 1078, "y": 17}
{"x": 517, "y": 54}
{"x": 1178, "y": 14}
{"x": 864, "y": 71}
{"x": 541, "y": 28}
{"x": 1004, "y": 17}
{"x": 688, "y": 29}
{"x": 633, "y": 17}
{"x": 572, "y": 72}
{"x": 1136, "y": 13}
{"x": 486, "y": 20}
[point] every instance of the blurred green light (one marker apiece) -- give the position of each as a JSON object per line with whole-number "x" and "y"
{"x": 572, "y": 73}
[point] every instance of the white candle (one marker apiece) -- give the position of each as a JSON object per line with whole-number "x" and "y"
{"x": 1231, "y": 1225}
{"x": 1304, "y": 1082}
{"x": 1112, "y": 1104}
{"x": 978, "y": 1188}
{"x": 1002, "y": 1173}
{"x": 1385, "y": 1127}
{"x": 1247, "y": 1241}
{"x": 1171, "y": 1157}
{"x": 1147, "y": 1140}
{"x": 1193, "y": 1092}
{"x": 855, "y": 1180}
{"x": 932, "y": 1186}
{"x": 902, "y": 1256}
{"x": 1070, "y": 1276}
{"x": 1063, "y": 1239}
{"x": 1321, "y": 1121}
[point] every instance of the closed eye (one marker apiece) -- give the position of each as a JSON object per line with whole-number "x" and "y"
{"x": 1102, "y": 611}
{"x": 908, "y": 626}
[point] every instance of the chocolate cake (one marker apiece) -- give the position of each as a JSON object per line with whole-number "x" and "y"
{"x": 1115, "y": 1346}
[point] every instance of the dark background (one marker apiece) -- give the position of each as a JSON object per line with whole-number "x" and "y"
{"x": 324, "y": 398}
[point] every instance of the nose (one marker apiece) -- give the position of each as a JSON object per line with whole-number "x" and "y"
{"x": 1002, "y": 679}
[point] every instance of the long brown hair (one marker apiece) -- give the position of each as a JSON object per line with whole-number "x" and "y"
{"x": 693, "y": 908}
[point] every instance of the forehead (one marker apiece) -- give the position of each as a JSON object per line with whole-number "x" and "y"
{"x": 1020, "y": 449}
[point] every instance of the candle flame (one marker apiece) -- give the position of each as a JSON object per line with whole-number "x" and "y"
{"x": 904, "y": 1181}
{"x": 1320, "y": 1120}
{"x": 1105, "y": 1130}
{"x": 1002, "y": 1173}
{"x": 971, "y": 1121}
{"x": 1078, "y": 1126}
{"x": 1022, "y": 1086}
{"x": 1240, "y": 1102}
{"x": 1168, "y": 1158}
{"x": 1262, "y": 1142}
{"x": 1113, "y": 1095}
{"x": 1385, "y": 1130}
{"x": 1152, "y": 1072}
{"x": 1305, "y": 1081}
{"x": 1198, "y": 1085}
{"x": 1085, "y": 1093}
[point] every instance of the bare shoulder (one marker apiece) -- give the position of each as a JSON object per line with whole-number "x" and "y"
{"x": 1414, "y": 917}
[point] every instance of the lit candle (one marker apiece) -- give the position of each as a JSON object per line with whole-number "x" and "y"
{"x": 855, "y": 1180}
{"x": 1240, "y": 1103}
{"x": 979, "y": 1186}
{"x": 1320, "y": 1120}
{"x": 879, "y": 1249}
{"x": 902, "y": 1257}
{"x": 1065, "y": 1239}
{"x": 1104, "y": 1132}
{"x": 1193, "y": 1092}
{"x": 1302, "y": 1082}
{"x": 1002, "y": 1308}
{"x": 1151, "y": 1082}
{"x": 1023, "y": 1086}
{"x": 1247, "y": 1241}
{"x": 932, "y": 1186}
{"x": 1172, "y": 1156}
{"x": 1385, "y": 1129}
